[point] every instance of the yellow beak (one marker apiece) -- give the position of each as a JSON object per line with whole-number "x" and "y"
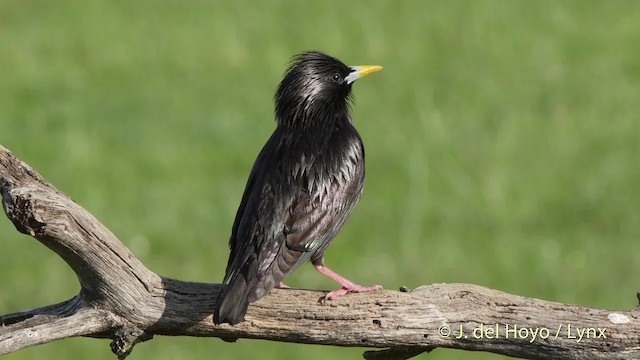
{"x": 362, "y": 70}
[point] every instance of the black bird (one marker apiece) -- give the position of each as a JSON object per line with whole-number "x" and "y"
{"x": 302, "y": 187}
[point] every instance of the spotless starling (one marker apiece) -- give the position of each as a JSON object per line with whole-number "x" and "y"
{"x": 302, "y": 187}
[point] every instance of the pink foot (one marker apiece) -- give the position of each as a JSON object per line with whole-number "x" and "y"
{"x": 345, "y": 290}
{"x": 281, "y": 285}
{"x": 347, "y": 286}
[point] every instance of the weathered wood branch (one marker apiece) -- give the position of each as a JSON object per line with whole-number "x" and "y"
{"x": 122, "y": 300}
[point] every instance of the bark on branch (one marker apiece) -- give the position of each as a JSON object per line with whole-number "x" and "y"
{"x": 124, "y": 301}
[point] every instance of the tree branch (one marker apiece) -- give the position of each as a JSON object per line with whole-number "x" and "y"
{"x": 40, "y": 326}
{"x": 124, "y": 301}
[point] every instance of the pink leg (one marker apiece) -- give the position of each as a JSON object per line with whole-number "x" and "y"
{"x": 281, "y": 285}
{"x": 347, "y": 286}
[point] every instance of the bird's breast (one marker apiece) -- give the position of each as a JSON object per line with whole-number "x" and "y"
{"x": 336, "y": 165}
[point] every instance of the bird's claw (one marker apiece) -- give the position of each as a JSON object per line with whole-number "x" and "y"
{"x": 345, "y": 290}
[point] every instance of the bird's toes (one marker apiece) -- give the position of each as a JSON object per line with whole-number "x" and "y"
{"x": 334, "y": 294}
{"x": 345, "y": 290}
{"x": 361, "y": 289}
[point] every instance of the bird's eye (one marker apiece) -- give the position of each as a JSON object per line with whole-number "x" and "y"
{"x": 336, "y": 78}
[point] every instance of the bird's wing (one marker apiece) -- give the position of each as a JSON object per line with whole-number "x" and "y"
{"x": 314, "y": 218}
{"x": 246, "y": 227}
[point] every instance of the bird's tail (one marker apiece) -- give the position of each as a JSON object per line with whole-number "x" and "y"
{"x": 233, "y": 302}
{"x": 245, "y": 287}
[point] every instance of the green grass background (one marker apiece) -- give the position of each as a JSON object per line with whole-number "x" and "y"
{"x": 502, "y": 137}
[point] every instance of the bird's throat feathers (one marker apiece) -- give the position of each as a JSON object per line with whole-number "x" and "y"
{"x": 317, "y": 123}
{"x": 304, "y": 111}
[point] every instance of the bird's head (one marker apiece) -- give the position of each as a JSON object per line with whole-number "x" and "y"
{"x": 316, "y": 85}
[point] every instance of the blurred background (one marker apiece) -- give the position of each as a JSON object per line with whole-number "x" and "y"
{"x": 502, "y": 144}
